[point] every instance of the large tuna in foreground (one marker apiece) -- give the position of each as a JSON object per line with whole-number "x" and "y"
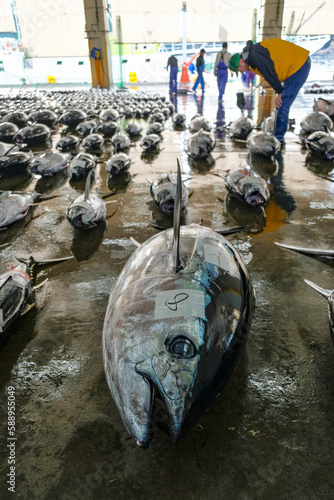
{"x": 175, "y": 328}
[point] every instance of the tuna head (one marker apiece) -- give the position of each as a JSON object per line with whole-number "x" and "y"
{"x": 172, "y": 341}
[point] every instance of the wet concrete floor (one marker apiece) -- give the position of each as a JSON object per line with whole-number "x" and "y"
{"x": 270, "y": 433}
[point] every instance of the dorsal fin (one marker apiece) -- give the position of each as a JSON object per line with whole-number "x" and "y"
{"x": 177, "y": 221}
{"x": 88, "y": 185}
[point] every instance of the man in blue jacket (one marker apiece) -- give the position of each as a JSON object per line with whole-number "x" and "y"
{"x": 200, "y": 65}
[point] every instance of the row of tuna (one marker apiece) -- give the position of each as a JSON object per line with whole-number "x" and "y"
{"x": 167, "y": 361}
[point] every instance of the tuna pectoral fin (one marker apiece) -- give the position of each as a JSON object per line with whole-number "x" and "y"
{"x": 325, "y": 293}
{"x": 232, "y": 230}
{"x": 27, "y": 309}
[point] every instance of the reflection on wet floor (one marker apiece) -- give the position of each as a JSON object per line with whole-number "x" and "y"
{"x": 277, "y": 411}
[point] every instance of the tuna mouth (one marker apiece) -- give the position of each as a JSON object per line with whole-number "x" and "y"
{"x": 159, "y": 416}
{"x": 255, "y": 198}
{"x": 115, "y": 170}
{"x": 167, "y": 206}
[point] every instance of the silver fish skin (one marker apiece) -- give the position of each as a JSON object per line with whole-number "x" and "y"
{"x": 250, "y": 188}
{"x": 87, "y": 209}
{"x": 50, "y": 163}
{"x": 329, "y": 295}
{"x": 322, "y": 144}
{"x": 163, "y": 189}
{"x": 316, "y": 121}
{"x": 201, "y": 144}
{"x": 263, "y": 144}
{"x": 14, "y": 206}
{"x": 241, "y": 128}
{"x": 171, "y": 340}
{"x": 15, "y": 290}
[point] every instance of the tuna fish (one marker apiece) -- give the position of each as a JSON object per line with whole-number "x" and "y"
{"x": 87, "y": 209}
{"x": 92, "y": 142}
{"x": 81, "y": 165}
{"x": 247, "y": 186}
{"x": 155, "y": 128}
{"x": 263, "y": 144}
{"x": 120, "y": 141}
{"x": 175, "y": 328}
{"x": 118, "y": 164}
{"x": 201, "y": 144}
{"x": 316, "y": 121}
{"x": 15, "y": 162}
{"x": 241, "y": 128}
{"x": 179, "y": 120}
{"x": 163, "y": 190}
{"x": 8, "y": 131}
{"x": 151, "y": 142}
{"x": 107, "y": 129}
{"x": 87, "y": 127}
{"x": 199, "y": 122}
{"x": 33, "y": 134}
{"x": 68, "y": 142}
{"x": 17, "y": 291}
{"x": 73, "y": 117}
{"x": 45, "y": 116}
{"x": 133, "y": 129}
{"x": 14, "y": 206}
{"x": 50, "y": 163}
{"x": 329, "y": 295}
{"x": 321, "y": 144}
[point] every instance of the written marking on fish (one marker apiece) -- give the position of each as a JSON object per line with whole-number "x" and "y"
{"x": 179, "y": 303}
{"x": 179, "y": 297}
{"x": 221, "y": 258}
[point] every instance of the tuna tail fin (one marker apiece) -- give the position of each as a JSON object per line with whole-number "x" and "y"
{"x": 31, "y": 261}
{"x": 88, "y": 185}
{"x": 177, "y": 221}
{"x": 325, "y": 293}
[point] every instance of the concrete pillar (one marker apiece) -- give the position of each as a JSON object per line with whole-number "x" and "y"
{"x": 272, "y": 19}
{"x": 271, "y": 28}
{"x": 97, "y": 29}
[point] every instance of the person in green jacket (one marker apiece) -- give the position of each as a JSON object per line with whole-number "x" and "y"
{"x": 276, "y": 61}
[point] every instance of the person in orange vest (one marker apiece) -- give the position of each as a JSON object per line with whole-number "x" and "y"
{"x": 276, "y": 61}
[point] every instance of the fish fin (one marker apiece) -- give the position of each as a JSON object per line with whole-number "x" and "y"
{"x": 177, "y": 221}
{"x": 31, "y": 261}
{"x": 316, "y": 106}
{"x": 325, "y": 293}
{"x": 88, "y": 185}
{"x": 135, "y": 242}
{"x": 41, "y": 284}
{"x": 27, "y": 309}
{"x": 232, "y": 230}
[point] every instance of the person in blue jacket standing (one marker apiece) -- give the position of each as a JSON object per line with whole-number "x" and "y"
{"x": 200, "y": 65}
{"x": 221, "y": 69}
{"x": 172, "y": 62}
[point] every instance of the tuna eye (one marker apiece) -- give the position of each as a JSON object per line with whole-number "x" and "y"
{"x": 182, "y": 348}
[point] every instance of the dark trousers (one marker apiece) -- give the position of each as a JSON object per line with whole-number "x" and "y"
{"x": 221, "y": 81}
{"x": 291, "y": 87}
{"x": 173, "y": 80}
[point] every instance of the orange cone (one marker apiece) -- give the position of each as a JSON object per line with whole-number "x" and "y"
{"x": 184, "y": 75}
